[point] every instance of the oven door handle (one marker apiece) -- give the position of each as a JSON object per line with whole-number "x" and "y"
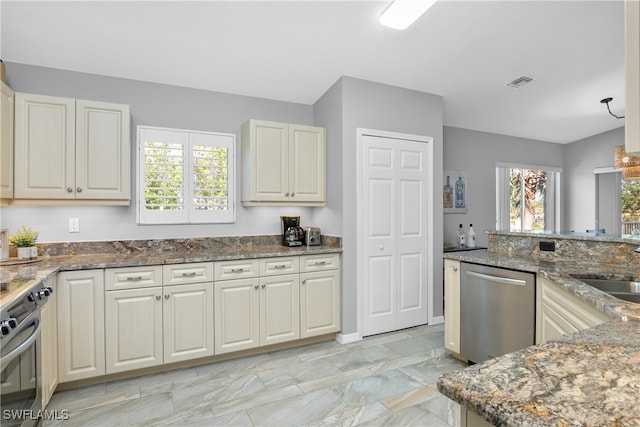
{"x": 7, "y": 358}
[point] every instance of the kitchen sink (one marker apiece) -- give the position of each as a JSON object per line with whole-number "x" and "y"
{"x": 624, "y": 289}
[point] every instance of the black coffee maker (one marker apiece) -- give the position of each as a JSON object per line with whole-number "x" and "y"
{"x": 292, "y": 233}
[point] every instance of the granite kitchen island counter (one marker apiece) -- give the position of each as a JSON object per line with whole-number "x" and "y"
{"x": 591, "y": 377}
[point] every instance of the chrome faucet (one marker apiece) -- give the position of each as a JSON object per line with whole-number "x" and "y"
{"x": 637, "y": 250}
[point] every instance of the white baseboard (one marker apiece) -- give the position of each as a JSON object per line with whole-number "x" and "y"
{"x": 437, "y": 320}
{"x": 348, "y": 338}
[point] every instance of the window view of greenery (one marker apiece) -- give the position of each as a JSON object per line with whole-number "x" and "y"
{"x": 163, "y": 177}
{"x": 527, "y": 199}
{"x": 164, "y": 186}
{"x": 631, "y": 206}
{"x": 211, "y": 186}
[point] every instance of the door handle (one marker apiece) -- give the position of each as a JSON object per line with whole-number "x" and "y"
{"x": 498, "y": 279}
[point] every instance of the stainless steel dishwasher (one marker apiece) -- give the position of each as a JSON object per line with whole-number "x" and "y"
{"x": 497, "y": 311}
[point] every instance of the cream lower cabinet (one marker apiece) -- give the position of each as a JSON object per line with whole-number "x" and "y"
{"x": 81, "y": 351}
{"x": 156, "y": 315}
{"x": 559, "y": 313}
{"x": 49, "y": 345}
{"x": 256, "y": 311}
{"x": 319, "y": 295}
{"x": 452, "y": 305}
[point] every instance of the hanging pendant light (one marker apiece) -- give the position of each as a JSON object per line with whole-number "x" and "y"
{"x": 630, "y": 165}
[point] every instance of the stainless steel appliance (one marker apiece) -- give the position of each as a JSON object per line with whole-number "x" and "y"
{"x": 21, "y": 403}
{"x": 292, "y": 233}
{"x": 312, "y": 236}
{"x": 497, "y": 311}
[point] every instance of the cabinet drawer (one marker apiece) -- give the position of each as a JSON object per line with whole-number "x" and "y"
{"x": 319, "y": 262}
{"x": 178, "y": 274}
{"x": 280, "y": 265}
{"x": 239, "y": 269}
{"x": 133, "y": 277}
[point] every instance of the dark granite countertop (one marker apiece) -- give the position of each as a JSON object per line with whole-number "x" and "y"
{"x": 18, "y": 277}
{"x": 591, "y": 377}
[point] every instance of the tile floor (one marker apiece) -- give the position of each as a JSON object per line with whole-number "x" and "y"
{"x": 384, "y": 380}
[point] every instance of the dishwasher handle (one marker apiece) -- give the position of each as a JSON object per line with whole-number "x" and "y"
{"x": 497, "y": 279}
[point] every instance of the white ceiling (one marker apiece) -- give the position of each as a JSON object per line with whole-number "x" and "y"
{"x": 465, "y": 51}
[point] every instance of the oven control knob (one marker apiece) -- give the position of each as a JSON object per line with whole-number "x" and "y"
{"x": 42, "y": 294}
{"x": 50, "y": 289}
{"x": 13, "y": 323}
{"x": 7, "y": 325}
{"x": 4, "y": 329}
{"x": 31, "y": 297}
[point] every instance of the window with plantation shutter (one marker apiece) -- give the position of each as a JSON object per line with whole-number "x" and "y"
{"x": 185, "y": 176}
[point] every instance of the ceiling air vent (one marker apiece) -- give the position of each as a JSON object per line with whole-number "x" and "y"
{"x": 519, "y": 82}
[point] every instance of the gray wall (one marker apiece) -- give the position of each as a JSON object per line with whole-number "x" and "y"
{"x": 155, "y": 105}
{"x": 581, "y": 157}
{"x": 351, "y": 104}
{"x": 477, "y": 153}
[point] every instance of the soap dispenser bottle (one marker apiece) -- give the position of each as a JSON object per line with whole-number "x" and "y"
{"x": 471, "y": 239}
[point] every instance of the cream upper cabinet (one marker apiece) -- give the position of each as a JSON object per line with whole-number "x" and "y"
{"x": 283, "y": 164}
{"x": 558, "y": 312}
{"x": 632, "y": 76}
{"x": 452, "y": 305}
{"x": 81, "y": 350}
{"x": 6, "y": 142}
{"x": 67, "y": 149}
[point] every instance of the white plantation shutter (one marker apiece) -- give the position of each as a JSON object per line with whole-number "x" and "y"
{"x": 185, "y": 176}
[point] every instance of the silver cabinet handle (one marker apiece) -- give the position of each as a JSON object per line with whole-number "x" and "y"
{"x": 79, "y": 189}
{"x": 191, "y": 274}
{"x": 237, "y": 270}
{"x": 134, "y": 278}
{"x": 280, "y": 266}
{"x": 321, "y": 262}
{"x": 69, "y": 190}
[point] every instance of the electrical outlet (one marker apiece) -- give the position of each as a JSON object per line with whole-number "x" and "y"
{"x": 74, "y": 225}
{"x": 548, "y": 246}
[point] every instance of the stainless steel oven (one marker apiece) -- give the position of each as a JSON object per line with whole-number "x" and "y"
{"x": 21, "y": 403}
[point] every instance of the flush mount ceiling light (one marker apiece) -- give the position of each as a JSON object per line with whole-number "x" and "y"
{"x": 402, "y": 13}
{"x": 519, "y": 82}
{"x": 607, "y": 101}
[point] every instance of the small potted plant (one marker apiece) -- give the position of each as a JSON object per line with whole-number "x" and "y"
{"x": 25, "y": 242}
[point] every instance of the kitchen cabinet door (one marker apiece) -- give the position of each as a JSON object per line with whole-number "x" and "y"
{"x": 279, "y": 309}
{"x": 283, "y": 164}
{"x": 49, "y": 342}
{"x": 558, "y": 312}
{"x": 319, "y": 303}
{"x": 71, "y": 150}
{"x": 188, "y": 321}
{"x": 237, "y": 315}
{"x": 452, "y": 305}
{"x": 134, "y": 333}
{"x": 81, "y": 350}
{"x": 102, "y": 151}
{"x": 44, "y": 147}
{"x": 6, "y": 142}
{"x": 307, "y": 163}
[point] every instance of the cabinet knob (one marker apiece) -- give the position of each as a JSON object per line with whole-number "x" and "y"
{"x": 256, "y": 286}
{"x": 455, "y": 268}
{"x": 304, "y": 282}
{"x": 79, "y": 189}
{"x": 166, "y": 296}
{"x": 293, "y": 194}
{"x": 264, "y": 286}
{"x": 158, "y": 297}
{"x": 381, "y": 247}
{"x": 69, "y": 190}
{"x": 287, "y": 195}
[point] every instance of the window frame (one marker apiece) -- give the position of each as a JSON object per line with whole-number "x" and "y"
{"x": 552, "y": 223}
{"x": 186, "y": 215}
